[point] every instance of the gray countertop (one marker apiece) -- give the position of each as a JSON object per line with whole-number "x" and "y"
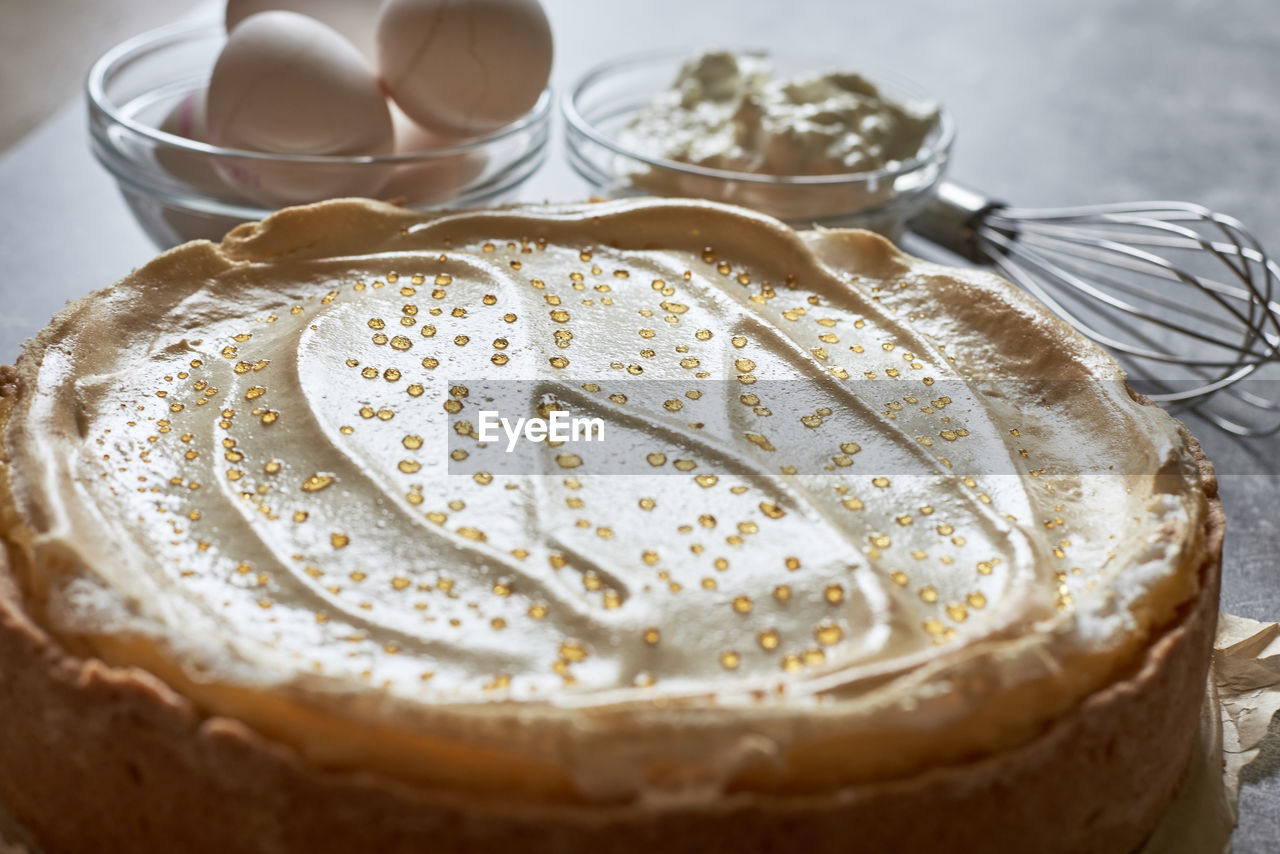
{"x": 1056, "y": 102}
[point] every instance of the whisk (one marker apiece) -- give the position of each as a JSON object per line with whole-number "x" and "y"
{"x": 1183, "y": 297}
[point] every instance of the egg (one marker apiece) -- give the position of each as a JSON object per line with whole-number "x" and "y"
{"x": 464, "y": 68}
{"x": 191, "y": 168}
{"x": 170, "y": 222}
{"x": 433, "y": 180}
{"x": 288, "y": 84}
{"x": 357, "y": 20}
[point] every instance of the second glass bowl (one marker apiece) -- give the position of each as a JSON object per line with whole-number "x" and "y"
{"x": 145, "y": 99}
{"x": 608, "y": 98}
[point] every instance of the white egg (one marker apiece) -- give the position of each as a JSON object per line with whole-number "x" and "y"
{"x": 169, "y": 219}
{"x": 287, "y": 84}
{"x": 464, "y": 68}
{"x": 192, "y": 168}
{"x": 429, "y": 180}
{"x": 355, "y": 19}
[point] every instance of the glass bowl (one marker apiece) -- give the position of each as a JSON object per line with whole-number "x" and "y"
{"x": 606, "y": 99}
{"x": 146, "y": 101}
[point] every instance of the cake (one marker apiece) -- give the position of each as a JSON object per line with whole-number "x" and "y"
{"x": 867, "y": 553}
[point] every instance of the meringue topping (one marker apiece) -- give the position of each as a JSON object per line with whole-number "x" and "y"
{"x": 839, "y": 524}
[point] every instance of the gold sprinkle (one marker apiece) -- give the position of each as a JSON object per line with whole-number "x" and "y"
{"x": 339, "y": 541}
{"x": 730, "y": 660}
{"x": 814, "y": 656}
{"x": 317, "y": 482}
{"x": 828, "y": 634}
{"x": 573, "y": 651}
{"x": 773, "y": 511}
{"x": 769, "y": 639}
{"x": 742, "y": 604}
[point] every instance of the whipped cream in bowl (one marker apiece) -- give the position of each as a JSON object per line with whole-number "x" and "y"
{"x": 806, "y": 140}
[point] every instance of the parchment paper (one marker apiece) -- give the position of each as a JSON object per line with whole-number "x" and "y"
{"x": 1243, "y": 695}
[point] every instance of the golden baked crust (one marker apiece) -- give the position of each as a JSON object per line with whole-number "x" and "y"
{"x": 95, "y": 758}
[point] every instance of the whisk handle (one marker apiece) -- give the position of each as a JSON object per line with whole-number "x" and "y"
{"x": 952, "y": 217}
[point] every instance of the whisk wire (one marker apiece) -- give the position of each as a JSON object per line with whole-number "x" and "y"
{"x": 1108, "y": 255}
{"x": 1119, "y": 284}
{"x": 1184, "y": 296}
{"x": 1130, "y": 250}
